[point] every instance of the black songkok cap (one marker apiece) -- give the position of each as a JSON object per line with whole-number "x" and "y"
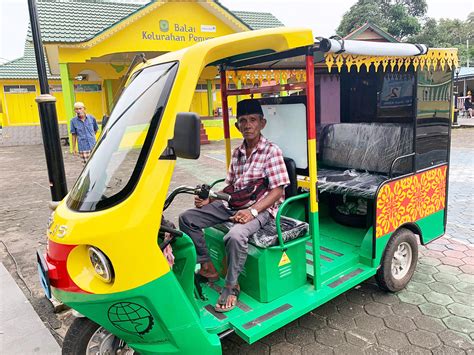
{"x": 249, "y": 107}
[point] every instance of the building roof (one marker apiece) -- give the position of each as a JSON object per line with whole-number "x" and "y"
{"x": 358, "y": 33}
{"x": 24, "y": 67}
{"x": 78, "y": 21}
{"x": 466, "y": 73}
{"x": 81, "y": 20}
{"x": 258, "y": 20}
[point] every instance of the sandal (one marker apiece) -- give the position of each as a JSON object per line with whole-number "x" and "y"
{"x": 222, "y": 301}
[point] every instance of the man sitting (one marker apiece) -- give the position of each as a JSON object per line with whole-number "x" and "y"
{"x": 254, "y": 160}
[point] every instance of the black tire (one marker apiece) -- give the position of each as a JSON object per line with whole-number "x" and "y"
{"x": 79, "y": 335}
{"x": 393, "y": 277}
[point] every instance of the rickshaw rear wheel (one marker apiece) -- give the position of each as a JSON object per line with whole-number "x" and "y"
{"x": 87, "y": 337}
{"x": 398, "y": 261}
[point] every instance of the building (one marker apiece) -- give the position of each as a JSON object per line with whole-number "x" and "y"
{"x": 90, "y": 45}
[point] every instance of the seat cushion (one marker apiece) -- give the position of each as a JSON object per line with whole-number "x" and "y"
{"x": 267, "y": 235}
{"x": 349, "y": 182}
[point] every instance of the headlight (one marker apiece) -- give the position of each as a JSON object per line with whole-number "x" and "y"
{"x": 101, "y": 265}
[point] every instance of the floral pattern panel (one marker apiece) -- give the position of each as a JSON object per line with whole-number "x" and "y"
{"x": 410, "y": 199}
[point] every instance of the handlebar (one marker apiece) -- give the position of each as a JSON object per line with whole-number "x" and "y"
{"x": 203, "y": 191}
{"x": 174, "y": 233}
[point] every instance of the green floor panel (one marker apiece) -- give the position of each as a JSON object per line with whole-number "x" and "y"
{"x": 255, "y": 325}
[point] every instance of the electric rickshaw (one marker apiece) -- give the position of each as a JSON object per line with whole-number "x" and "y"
{"x": 365, "y": 131}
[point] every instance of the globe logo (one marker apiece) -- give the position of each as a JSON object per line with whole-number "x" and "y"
{"x": 131, "y": 318}
{"x": 164, "y": 26}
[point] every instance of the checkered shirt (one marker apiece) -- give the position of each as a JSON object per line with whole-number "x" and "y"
{"x": 266, "y": 160}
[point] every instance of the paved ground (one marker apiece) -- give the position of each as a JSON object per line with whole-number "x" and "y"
{"x": 435, "y": 314}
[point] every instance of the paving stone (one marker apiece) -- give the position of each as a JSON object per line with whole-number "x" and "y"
{"x": 452, "y": 270}
{"x": 359, "y": 297}
{"x": 413, "y": 350}
{"x": 316, "y": 348}
{"x": 456, "y": 340}
{"x": 430, "y": 324}
{"x": 467, "y": 269}
{"x": 360, "y": 337}
{"x": 406, "y": 309}
{"x": 437, "y": 247}
{"x": 438, "y": 298}
{"x": 446, "y": 278}
{"x": 385, "y": 298}
{"x": 423, "y": 339}
{"x": 451, "y": 261}
{"x": 455, "y": 254}
{"x": 392, "y": 339}
{"x": 467, "y": 278}
{"x": 325, "y": 310}
{"x": 429, "y": 261}
{"x": 417, "y": 287}
{"x": 442, "y": 288}
{"x": 460, "y": 324}
{"x": 345, "y": 349}
{"x": 274, "y": 338}
{"x": 465, "y": 287}
{"x": 379, "y": 350}
{"x": 434, "y": 310}
{"x": 426, "y": 269}
{"x": 469, "y": 260}
{"x": 411, "y": 297}
{"x": 313, "y": 321}
{"x": 329, "y": 336}
{"x": 254, "y": 349}
{"x": 463, "y": 310}
{"x": 402, "y": 324}
{"x": 457, "y": 246}
{"x": 423, "y": 278}
{"x": 463, "y": 298}
{"x": 369, "y": 323}
{"x": 350, "y": 309}
{"x": 378, "y": 309}
{"x": 300, "y": 336}
{"x": 285, "y": 348}
{"x": 341, "y": 322}
{"x": 447, "y": 350}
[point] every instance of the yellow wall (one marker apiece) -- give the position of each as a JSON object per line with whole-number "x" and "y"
{"x": 21, "y": 109}
{"x": 184, "y": 28}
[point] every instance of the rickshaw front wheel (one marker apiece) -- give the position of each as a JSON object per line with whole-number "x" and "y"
{"x": 398, "y": 261}
{"x": 87, "y": 337}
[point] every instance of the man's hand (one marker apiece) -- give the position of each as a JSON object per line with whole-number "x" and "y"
{"x": 242, "y": 216}
{"x": 199, "y": 202}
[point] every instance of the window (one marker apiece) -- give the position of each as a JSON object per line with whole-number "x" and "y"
{"x": 201, "y": 87}
{"x": 87, "y": 88}
{"x": 120, "y": 155}
{"x": 432, "y": 117}
{"x": 19, "y": 89}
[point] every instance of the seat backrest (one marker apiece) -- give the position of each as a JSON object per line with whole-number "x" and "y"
{"x": 365, "y": 146}
{"x": 291, "y": 189}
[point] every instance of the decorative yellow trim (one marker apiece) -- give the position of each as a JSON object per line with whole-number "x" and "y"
{"x": 116, "y": 28}
{"x": 437, "y": 58}
{"x": 313, "y": 176}
{"x": 296, "y": 75}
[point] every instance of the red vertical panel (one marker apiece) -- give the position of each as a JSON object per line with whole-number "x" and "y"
{"x": 310, "y": 97}
{"x": 225, "y": 109}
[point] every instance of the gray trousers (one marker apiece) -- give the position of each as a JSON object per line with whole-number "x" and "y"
{"x": 194, "y": 220}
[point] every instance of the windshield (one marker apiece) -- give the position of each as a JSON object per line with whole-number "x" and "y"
{"x": 118, "y": 158}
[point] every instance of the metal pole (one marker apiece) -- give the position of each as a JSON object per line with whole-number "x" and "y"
{"x": 48, "y": 116}
{"x": 456, "y": 110}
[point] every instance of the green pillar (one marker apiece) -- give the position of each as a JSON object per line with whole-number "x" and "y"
{"x": 239, "y": 86}
{"x": 209, "y": 98}
{"x": 110, "y": 95}
{"x": 283, "y": 82}
{"x": 68, "y": 96}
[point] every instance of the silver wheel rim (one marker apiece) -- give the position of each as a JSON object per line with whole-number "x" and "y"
{"x": 103, "y": 342}
{"x": 401, "y": 261}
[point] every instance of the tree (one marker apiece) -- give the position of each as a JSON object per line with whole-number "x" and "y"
{"x": 398, "y": 17}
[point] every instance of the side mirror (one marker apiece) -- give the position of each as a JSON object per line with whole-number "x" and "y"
{"x": 186, "y": 142}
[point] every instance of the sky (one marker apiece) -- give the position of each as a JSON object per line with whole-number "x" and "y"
{"x": 322, "y": 16}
